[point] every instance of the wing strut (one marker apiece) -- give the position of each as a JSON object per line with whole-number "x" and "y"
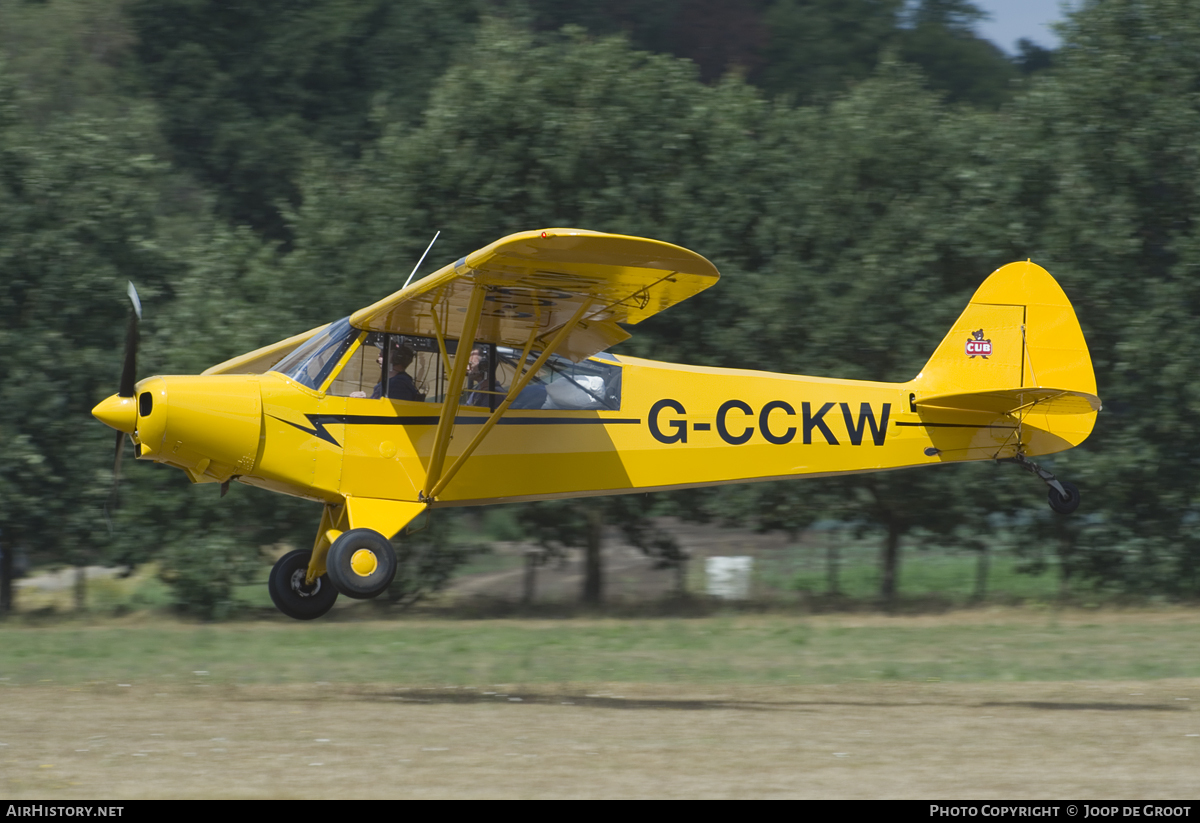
{"x": 514, "y": 390}
{"x": 450, "y": 403}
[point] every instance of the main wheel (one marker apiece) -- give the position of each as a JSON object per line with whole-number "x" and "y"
{"x": 292, "y": 595}
{"x": 1068, "y": 504}
{"x": 361, "y": 563}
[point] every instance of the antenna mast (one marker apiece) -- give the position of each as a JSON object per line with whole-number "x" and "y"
{"x": 422, "y": 260}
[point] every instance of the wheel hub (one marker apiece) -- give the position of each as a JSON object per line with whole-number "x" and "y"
{"x": 300, "y": 584}
{"x": 364, "y": 562}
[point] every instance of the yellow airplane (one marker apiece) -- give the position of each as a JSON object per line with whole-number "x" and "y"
{"x": 489, "y": 382}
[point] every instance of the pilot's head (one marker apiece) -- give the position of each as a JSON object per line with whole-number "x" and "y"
{"x": 402, "y": 356}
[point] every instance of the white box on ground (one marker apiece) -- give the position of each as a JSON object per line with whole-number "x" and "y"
{"x": 729, "y": 577}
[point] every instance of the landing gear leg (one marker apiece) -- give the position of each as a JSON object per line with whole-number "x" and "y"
{"x": 1064, "y": 496}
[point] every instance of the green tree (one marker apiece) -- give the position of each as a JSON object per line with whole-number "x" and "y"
{"x": 248, "y": 90}
{"x": 717, "y": 35}
{"x": 69, "y": 55}
{"x": 819, "y": 48}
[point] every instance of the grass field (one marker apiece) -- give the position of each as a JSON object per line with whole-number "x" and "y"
{"x": 986, "y": 703}
{"x": 966, "y": 646}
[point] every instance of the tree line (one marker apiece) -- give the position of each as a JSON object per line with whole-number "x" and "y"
{"x": 853, "y": 169}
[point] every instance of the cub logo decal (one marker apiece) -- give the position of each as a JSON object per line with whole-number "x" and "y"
{"x": 977, "y": 346}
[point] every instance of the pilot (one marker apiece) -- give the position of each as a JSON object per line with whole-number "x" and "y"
{"x": 400, "y": 383}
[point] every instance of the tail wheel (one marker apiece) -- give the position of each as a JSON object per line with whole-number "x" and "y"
{"x": 1067, "y": 504}
{"x": 361, "y": 564}
{"x": 291, "y": 593}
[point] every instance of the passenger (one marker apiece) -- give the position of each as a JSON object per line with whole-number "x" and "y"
{"x": 477, "y": 380}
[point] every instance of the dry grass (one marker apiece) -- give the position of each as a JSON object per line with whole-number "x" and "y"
{"x": 866, "y": 740}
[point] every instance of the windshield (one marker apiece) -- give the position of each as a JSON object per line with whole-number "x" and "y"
{"x": 311, "y": 363}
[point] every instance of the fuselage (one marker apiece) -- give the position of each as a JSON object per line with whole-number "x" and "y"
{"x": 670, "y": 427}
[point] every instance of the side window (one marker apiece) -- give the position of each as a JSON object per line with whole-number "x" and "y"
{"x": 360, "y": 375}
{"x": 563, "y": 385}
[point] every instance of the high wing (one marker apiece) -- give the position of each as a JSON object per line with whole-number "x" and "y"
{"x": 535, "y": 283}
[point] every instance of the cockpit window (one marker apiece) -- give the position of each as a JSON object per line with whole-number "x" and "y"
{"x": 311, "y": 363}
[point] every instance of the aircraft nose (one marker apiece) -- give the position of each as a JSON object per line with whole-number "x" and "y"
{"x": 117, "y": 412}
{"x": 207, "y": 424}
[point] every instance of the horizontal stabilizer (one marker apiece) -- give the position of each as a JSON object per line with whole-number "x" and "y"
{"x": 1012, "y": 401}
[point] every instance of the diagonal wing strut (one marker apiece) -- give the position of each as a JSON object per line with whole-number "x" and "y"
{"x": 517, "y": 387}
{"x": 441, "y": 440}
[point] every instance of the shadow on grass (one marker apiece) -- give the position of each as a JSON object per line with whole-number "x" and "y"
{"x": 517, "y": 698}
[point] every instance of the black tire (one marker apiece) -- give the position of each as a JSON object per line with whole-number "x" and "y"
{"x": 361, "y": 564}
{"x": 292, "y": 596}
{"x": 1068, "y": 504}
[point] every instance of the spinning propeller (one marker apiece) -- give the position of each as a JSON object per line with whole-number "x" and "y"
{"x": 122, "y": 414}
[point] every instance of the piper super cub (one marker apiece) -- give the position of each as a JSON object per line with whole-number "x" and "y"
{"x": 489, "y": 382}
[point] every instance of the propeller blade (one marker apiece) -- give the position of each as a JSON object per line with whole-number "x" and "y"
{"x": 129, "y": 368}
{"x": 134, "y": 299}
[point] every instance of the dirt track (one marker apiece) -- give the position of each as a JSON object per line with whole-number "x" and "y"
{"x": 904, "y": 740}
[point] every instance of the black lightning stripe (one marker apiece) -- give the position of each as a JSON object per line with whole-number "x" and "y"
{"x": 953, "y": 426}
{"x": 320, "y": 421}
{"x": 318, "y": 429}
